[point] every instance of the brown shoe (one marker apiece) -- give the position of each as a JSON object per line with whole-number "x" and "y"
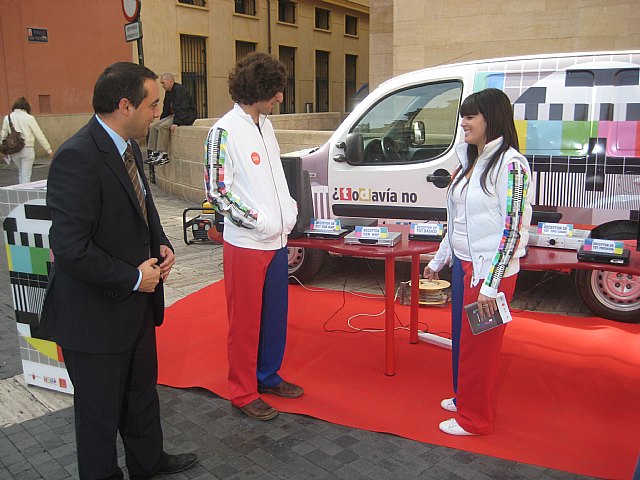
{"x": 259, "y": 409}
{"x": 285, "y": 389}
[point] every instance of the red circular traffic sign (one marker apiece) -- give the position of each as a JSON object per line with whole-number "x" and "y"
{"x": 131, "y": 9}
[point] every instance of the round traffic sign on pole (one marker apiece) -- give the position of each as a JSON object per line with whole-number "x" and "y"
{"x": 131, "y": 9}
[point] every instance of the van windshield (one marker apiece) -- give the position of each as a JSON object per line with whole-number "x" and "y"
{"x": 417, "y": 124}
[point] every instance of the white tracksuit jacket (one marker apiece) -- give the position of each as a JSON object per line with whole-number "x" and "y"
{"x": 245, "y": 181}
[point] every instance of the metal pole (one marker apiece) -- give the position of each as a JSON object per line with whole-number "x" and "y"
{"x": 140, "y": 53}
{"x": 139, "y": 41}
{"x": 152, "y": 170}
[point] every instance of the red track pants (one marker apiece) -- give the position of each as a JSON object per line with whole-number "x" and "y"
{"x": 478, "y": 361}
{"x": 256, "y": 287}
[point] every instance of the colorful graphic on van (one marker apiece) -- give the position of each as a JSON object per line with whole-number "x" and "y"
{"x": 578, "y": 126}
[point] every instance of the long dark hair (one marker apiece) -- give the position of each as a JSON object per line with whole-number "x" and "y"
{"x": 495, "y": 107}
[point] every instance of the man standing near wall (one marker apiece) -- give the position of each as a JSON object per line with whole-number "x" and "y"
{"x": 178, "y": 108}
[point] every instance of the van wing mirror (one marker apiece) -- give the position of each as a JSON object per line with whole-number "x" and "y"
{"x": 417, "y": 133}
{"x": 354, "y": 149}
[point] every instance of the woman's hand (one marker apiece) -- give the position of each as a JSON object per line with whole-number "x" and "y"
{"x": 429, "y": 274}
{"x": 487, "y": 305}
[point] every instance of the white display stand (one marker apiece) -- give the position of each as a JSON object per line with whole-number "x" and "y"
{"x": 26, "y": 221}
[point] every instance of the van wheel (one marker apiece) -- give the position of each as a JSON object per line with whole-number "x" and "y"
{"x": 304, "y": 263}
{"x": 611, "y": 295}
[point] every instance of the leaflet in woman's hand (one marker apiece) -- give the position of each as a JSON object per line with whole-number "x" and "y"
{"x": 479, "y": 324}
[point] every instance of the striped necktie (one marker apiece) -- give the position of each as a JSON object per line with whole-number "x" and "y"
{"x": 132, "y": 170}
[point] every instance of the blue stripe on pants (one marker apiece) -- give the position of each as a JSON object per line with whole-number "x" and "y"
{"x": 273, "y": 321}
{"x": 457, "y": 296}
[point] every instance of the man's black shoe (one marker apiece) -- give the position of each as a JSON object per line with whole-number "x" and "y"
{"x": 177, "y": 463}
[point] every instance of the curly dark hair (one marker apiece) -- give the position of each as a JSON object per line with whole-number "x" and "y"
{"x": 258, "y": 77}
{"x": 22, "y": 104}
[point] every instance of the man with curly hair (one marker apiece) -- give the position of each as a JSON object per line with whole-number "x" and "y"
{"x": 245, "y": 181}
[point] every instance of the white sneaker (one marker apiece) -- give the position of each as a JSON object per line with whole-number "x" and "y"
{"x": 152, "y": 157}
{"x": 163, "y": 158}
{"x": 452, "y": 428}
{"x": 449, "y": 405}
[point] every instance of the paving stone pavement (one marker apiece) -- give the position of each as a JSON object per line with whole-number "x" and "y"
{"x": 229, "y": 444}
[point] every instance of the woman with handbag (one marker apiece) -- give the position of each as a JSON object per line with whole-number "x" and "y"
{"x": 24, "y": 123}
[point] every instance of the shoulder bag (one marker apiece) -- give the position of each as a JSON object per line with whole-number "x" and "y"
{"x": 14, "y": 142}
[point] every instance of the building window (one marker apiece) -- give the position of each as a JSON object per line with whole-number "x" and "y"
{"x": 286, "y": 11}
{"x": 350, "y": 25}
{"x": 350, "y": 62}
{"x": 246, "y": 7}
{"x": 288, "y": 57}
{"x": 197, "y": 3}
{"x": 193, "y": 54}
{"x": 322, "y": 81}
{"x": 322, "y": 19}
{"x": 244, "y": 48}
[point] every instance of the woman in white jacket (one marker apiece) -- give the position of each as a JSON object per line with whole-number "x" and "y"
{"x": 488, "y": 211}
{"x": 26, "y": 124}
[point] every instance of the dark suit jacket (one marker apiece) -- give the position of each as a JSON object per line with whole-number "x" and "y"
{"x": 98, "y": 237}
{"x": 179, "y": 103}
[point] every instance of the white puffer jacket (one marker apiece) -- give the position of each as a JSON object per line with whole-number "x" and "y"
{"x": 497, "y": 223}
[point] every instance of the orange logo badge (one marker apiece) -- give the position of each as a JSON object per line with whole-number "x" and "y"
{"x": 255, "y": 158}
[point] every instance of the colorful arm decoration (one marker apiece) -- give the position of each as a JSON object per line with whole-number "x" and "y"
{"x": 517, "y": 184}
{"x": 218, "y": 193}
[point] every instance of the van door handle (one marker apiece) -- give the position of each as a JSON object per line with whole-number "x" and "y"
{"x": 441, "y": 178}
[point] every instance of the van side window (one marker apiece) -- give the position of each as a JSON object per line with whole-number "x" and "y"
{"x": 417, "y": 124}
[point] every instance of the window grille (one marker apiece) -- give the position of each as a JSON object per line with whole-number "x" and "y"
{"x": 350, "y": 63}
{"x": 322, "y": 81}
{"x": 286, "y": 11}
{"x": 197, "y": 3}
{"x": 193, "y": 55}
{"x": 246, "y": 7}
{"x": 322, "y": 18}
{"x": 244, "y": 48}
{"x": 350, "y": 25}
{"x": 288, "y": 57}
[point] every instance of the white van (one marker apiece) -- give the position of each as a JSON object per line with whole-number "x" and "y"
{"x": 578, "y": 121}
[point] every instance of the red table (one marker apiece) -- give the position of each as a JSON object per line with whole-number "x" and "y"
{"x": 405, "y": 248}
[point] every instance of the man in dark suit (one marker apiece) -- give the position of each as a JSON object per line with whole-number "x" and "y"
{"x": 105, "y": 294}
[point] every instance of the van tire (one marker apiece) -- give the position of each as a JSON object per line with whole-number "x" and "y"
{"x": 304, "y": 263}
{"x": 611, "y": 295}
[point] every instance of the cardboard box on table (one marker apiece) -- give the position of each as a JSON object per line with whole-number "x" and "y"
{"x": 26, "y": 221}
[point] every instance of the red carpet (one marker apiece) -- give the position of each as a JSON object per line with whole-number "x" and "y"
{"x": 569, "y": 396}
